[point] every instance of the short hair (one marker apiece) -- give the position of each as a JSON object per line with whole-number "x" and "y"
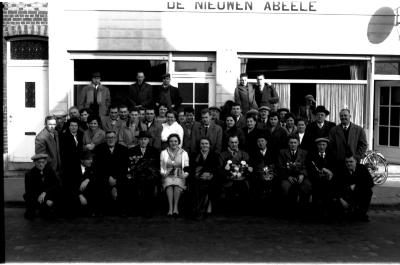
{"x": 49, "y": 117}
{"x": 235, "y": 104}
{"x": 133, "y": 109}
{"x": 205, "y": 111}
{"x": 243, "y": 75}
{"x": 122, "y": 106}
{"x": 301, "y": 119}
{"x": 260, "y": 75}
{"x": 111, "y": 131}
{"x": 141, "y": 108}
{"x": 94, "y": 117}
{"x": 173, "y": 112}
{"x": 205, "y": 138}
{"x": 273, "y": 114}
{"x": 174, "y": 135}
{"x": 233, "y": 136}
{"x": 251, "y": 116}
{"x": 150, "y": 107}
{"x": 293, "y": 136}
{"x": 138, "y": 72}
{"x": 163, "y": 105}
{"x": 290, "y": 115}
{"x": 344, "y": 109}
{"x": 88, "y": 111}
{"x": 113, "y": 106}
{"x": 71, "y": 120}
{"x": 229, "y": 115}
{"x": 73, "y": 107}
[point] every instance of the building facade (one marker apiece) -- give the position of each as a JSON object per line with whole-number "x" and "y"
{"x": 345, "y": 53}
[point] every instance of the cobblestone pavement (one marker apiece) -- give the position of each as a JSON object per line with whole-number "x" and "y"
{"x": 217, "y": 239}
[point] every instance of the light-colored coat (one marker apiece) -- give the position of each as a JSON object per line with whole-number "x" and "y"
{"x": 45, "y": 143}
{"x": 245, "y": 96}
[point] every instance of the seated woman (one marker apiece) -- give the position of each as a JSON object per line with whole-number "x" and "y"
{"x": 171, "y": 127}
{"x": 174, "y": 162}
{"x": 42, "y": 188}
{"x": 94, "y": 135}
{"x": 204, "y": 168}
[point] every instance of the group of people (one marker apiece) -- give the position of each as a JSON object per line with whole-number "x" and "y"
{"x": 125, "y": 159}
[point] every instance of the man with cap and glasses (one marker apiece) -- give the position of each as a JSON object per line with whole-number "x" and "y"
{"x": 42, "y": 188}
{"x": 95, "y": 96}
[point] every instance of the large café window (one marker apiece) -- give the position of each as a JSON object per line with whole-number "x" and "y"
{"x": 116, "y": 74}
{"x": 335, "y": 83}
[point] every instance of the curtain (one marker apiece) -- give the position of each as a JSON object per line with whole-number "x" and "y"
{"x": 283, "y": 91}
{"x": 342, "y": 96}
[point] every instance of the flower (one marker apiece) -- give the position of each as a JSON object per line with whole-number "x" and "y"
{"x": 236, "y": 168}
{"x": 229, "y": 162}
{"x": 243, "y": 163}
{"x": 266, "y": 169}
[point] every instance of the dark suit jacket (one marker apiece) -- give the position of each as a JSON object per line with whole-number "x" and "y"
{"x": 313, "y": 132}
{"x": 245, "y": 96}
{"x": 267, "y": 96}
{"x": 241, "y": 123}
{"x": 70, "y": 155}
{"x": 315, "y": 160}
{"x": 285, "y": 158}
{"x": 357, "y": 141}
{"x": 155, "y": 130}
{"x": 36, "y": 183}
{"x": 209, "y": 165}
{"x": 140, "y": 95}
{"x": 258, "y": 161}
{"x": 277, "y": 141}
{"x": 187, "y": 136}
{"x": 107, "y": 164}
{"x": 45, "y": 143}
{"x": 174, "y": 93}
{"x": 230, "y": 132}
{"x": 227, "y": 155}
{"x": 251, "y": 139}
{"x": 361, "y": 178}
{"x": 214, "y": 133}
{"x": 151, "y": 154}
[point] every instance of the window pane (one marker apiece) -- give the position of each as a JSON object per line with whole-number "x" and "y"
{"x": 395, "y": 95}
{"x": 384, "y": 116}
{"x": 395, "y": 116}
{"x": 30, "y": 94}
{"x": 384, "y": 95}
{"x": 29, "y": 50}
{"x": 394, "y": 137}
{"x": 188, "y": 66}
{"x": 119, "y": 70}
{"x": 383, "y": 135}
{"x": 201, "y": 90}
{"x": 387, "y": 68}
{"x": 305, "y": 68}
{"x": 186, "y": 91}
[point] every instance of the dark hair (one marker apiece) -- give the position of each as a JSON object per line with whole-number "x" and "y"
{"x": 111, "y": 131}
{"x": 234, "y": 104}
{"x": 94, "y": 117}
{"x": 293, "y": 136}
{"x": 133, "y": 109}
{"x": 113, "y": 106}
{"x": 122, "y": 106}
{"x": 273, "y": 114}
{"x": 189, "y": 109}
{"x": 233, "y": 136}
{"x": 88, "y": 111}
{"x": 290, "y": 115}
{"x": 76, "y": 120}
{"x": 205, "y": 138}
{"x": 229, "y": 115}
{"x": 150, "y": 107}
{"x": 173, "y": 112}
{"x": 50, "y": 117}
{"x": 174, "y": 135}
{"x": 251, "y": 116}
{"x": 205, "y": 111}
{"x": 243, "y": 75}
{"x": 301, "y": 119}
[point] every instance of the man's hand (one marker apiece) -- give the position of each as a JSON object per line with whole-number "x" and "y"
{"x": 41, "y": 197}
{"x": 114, "y": 193}
{"x": 112, "y": 181}
{"x": 352, "y": 186}
{"x": 327, "y": 173}
{"x": 292, "y": 180}
{"x": 84, "y": 184}
{"x": 90, "y": 146}
{"x": 300, "y": 179}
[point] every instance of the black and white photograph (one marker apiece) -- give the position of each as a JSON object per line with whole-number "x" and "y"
{"x": 185, "y": 131}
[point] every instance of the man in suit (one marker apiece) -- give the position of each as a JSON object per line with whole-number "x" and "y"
{"x": 48, "y": 142}
{"x": 167, "y": 95}
{"x": 265, "y": 93}
{"x": 293, "y": 175}
{"x": 319, "y": 128}
{"x": 112, "y": 122}
{"x": 207, "y": 129}
{"x": 140, "y": 181}
{"x": 306, "y": 111}
{"x": 321, "y": 167}
{"x": 95, "y": 96}
{"x": 111, "y": 163}
{"x": 263, "y": 120}
{"x": 140, "y": 93}
{"x": 153, "y": 127}
{"x": 240, "y": 119}
{"x": 245, "y": 95}
{"x": 188, "y": 127}
{"x": 41, "y": 188}
{"x": 355, "y": 188}
{"x": 347, "y": 135}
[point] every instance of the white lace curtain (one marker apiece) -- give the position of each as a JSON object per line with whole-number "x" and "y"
{"x": 340, "y": 96}
{"x": 283, "y": 91}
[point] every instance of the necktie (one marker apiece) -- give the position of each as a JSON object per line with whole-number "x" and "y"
{"x": 322, "y": 155}
{"x": 76, "y": 140}
{"x": 206, "y": 130}
{"x": 95, "y": 95}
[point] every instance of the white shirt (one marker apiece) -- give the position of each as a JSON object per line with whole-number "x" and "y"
{"x": 301, "y": 135}
{"x": 170, "y": 129}
{"x": 83, "y": 169}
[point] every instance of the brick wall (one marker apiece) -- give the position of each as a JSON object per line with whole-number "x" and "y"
{"x": 20, "y": 19}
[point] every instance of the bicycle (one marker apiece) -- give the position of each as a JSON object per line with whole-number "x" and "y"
{"x": 377, "y": 166}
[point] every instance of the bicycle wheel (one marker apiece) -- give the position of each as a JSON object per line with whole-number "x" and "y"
{"x": 377, "y": 166}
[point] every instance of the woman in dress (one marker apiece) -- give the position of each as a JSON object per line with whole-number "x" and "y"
{"x": 174, "y": 162}
{"x": 204, "y": 172}
{"x": 170, "y": 127}
{"x": 94, "y": 135}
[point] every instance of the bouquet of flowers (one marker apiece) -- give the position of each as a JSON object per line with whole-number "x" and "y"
{"x": 237, "y": 172}
{"x": 268, "y": 173}
{"x": 140, "y": 168}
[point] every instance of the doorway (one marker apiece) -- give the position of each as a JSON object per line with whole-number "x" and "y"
{"x": 298, "y": 92}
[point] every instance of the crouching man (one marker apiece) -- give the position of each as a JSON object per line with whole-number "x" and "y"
{"x": 41, "y": 188}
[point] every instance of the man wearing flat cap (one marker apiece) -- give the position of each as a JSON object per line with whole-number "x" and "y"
{"x": 321, "y": 168}
{"x": 137, "y": 189}
{"x": 95, "y": 96}
{"x": 263, "y": 117}
{"x": 41, "y": 188}
{"x": 215, "y": 116}
{"x": 167, "y": 95}
{"x": 306, "y": 111}
{"x": 319, "y": 128}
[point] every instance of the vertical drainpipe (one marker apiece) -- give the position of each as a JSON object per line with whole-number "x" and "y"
{"x": 371, "y": 105}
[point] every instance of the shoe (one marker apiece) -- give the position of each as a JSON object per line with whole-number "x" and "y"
{"x": 169, "y": 215}
{"x": 175, "y": 215}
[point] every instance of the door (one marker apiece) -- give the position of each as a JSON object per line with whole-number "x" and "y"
{"x": 387, "y": 119}
{"x": 197, "y": 92}
{"x": 27, "y": 93}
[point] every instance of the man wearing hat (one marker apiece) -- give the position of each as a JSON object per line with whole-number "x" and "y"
{"x": 306, "y": 111}
{"x": 140, "y": 181}
{"x": 265, "y": 93}
{"x": 95, "y": 96}
{"x": 319, "y": 128}
{"x": 282, "y": 116}
{"x": 167, "y": 95}
{"x": 263, "y": 119}
{"x": 41, "y": 188}
{"x": 215, "y": 116}
{"x": 320, "y": 167}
